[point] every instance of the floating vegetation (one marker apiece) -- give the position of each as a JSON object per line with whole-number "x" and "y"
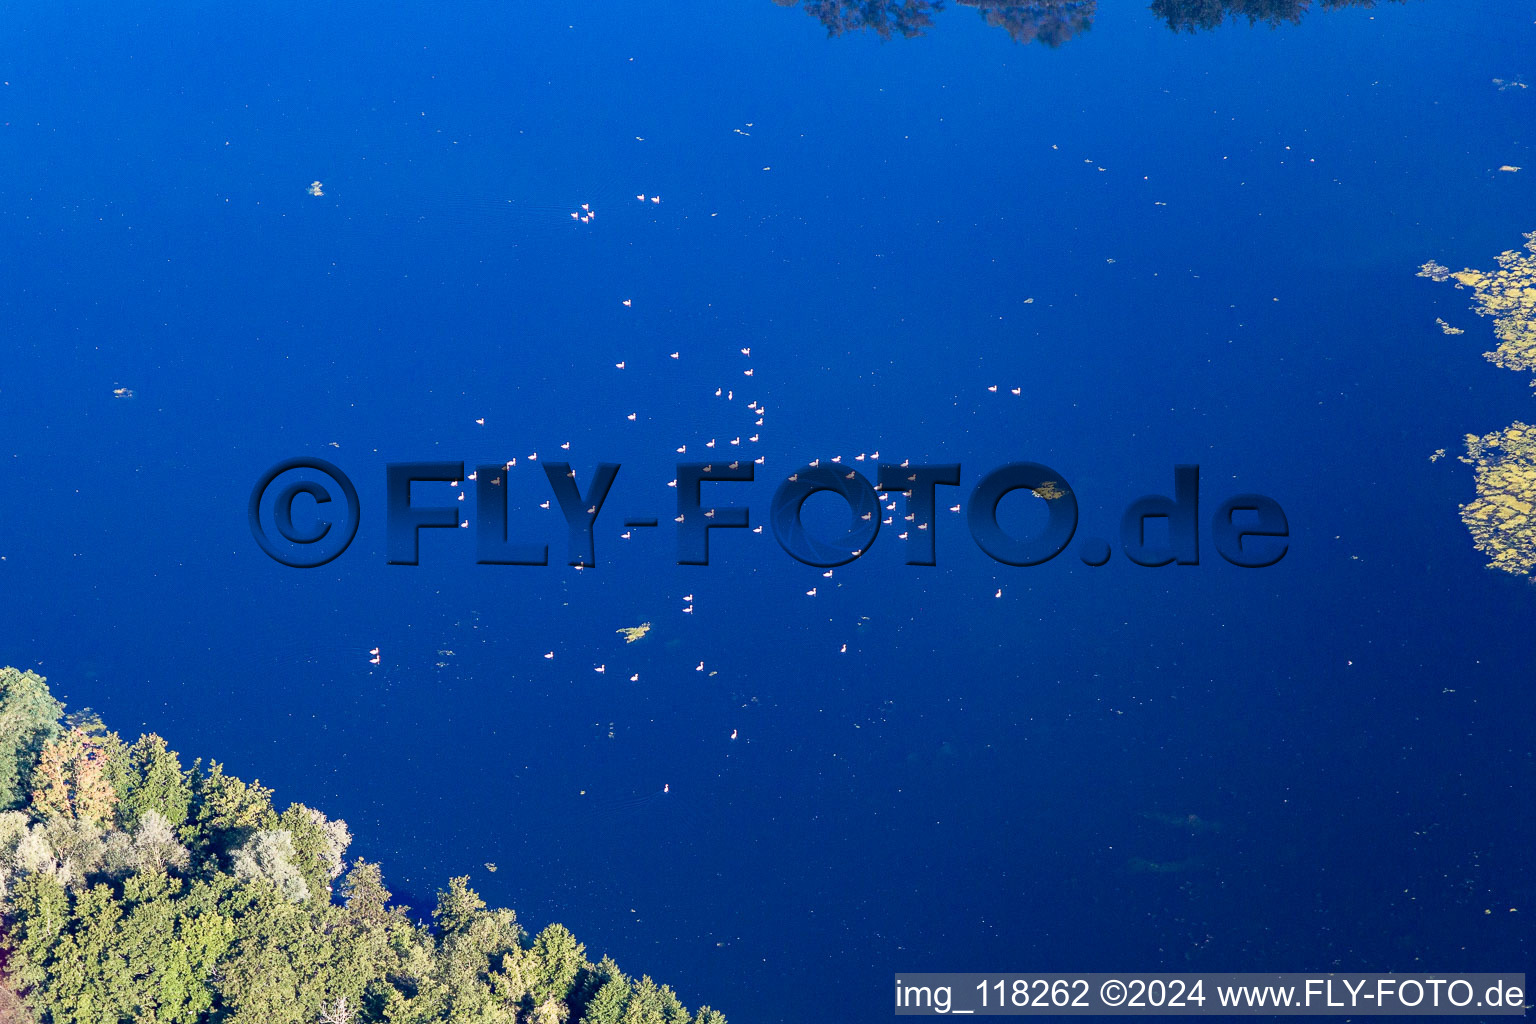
{"x": 1499, "y": 518}
{"x": 1504, "y": 461}
{"x": 1050, "y": 490}
{"x": 1507, "y": 294}
{"x": 1446, "y": 328}
{"x": 633, "y": 633}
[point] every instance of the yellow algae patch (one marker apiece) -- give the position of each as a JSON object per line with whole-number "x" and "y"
{"x": 1050, "y": 490}
{"x": 1507, "y": 294}
{"x": 1499, "y": 518}
{"x": 1504, "y": 462}
{"x": 1446, "y": 328}
{"x": 633, "y": 633}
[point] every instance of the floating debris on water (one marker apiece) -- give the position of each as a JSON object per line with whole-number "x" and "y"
{"x": 634, "y": 633}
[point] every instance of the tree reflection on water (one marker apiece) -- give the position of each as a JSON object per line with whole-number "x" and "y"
{"x": 1053, "y": 22}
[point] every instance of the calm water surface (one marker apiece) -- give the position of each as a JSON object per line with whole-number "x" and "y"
{"x": 1135, "y": 248}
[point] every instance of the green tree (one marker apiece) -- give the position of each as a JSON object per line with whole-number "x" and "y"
{"x": 650, "y": 1003}
{"x": 280, "y": 967}
{"x": 457, "y": 906}
{"x": 226, "y": 811}
{"x": 149, "y": 777}
{"x": 608, "y": 1003}
{"x": 89, "y": 978}
{"x": 174, "y": 949}
{"x": 38, "y": 919}
{"x": 29, "y": 718}
{"x": 319, "y": 846}
{"x": 553, "y": 963}
{"x": 466, "y": 969}
{"x": 366, "y": 899}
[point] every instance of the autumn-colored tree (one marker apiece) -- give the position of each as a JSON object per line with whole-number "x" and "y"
{"x": 70, "y": 780}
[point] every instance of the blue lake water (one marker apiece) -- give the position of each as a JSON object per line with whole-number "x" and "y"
{"x": 1178, "y": 247}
